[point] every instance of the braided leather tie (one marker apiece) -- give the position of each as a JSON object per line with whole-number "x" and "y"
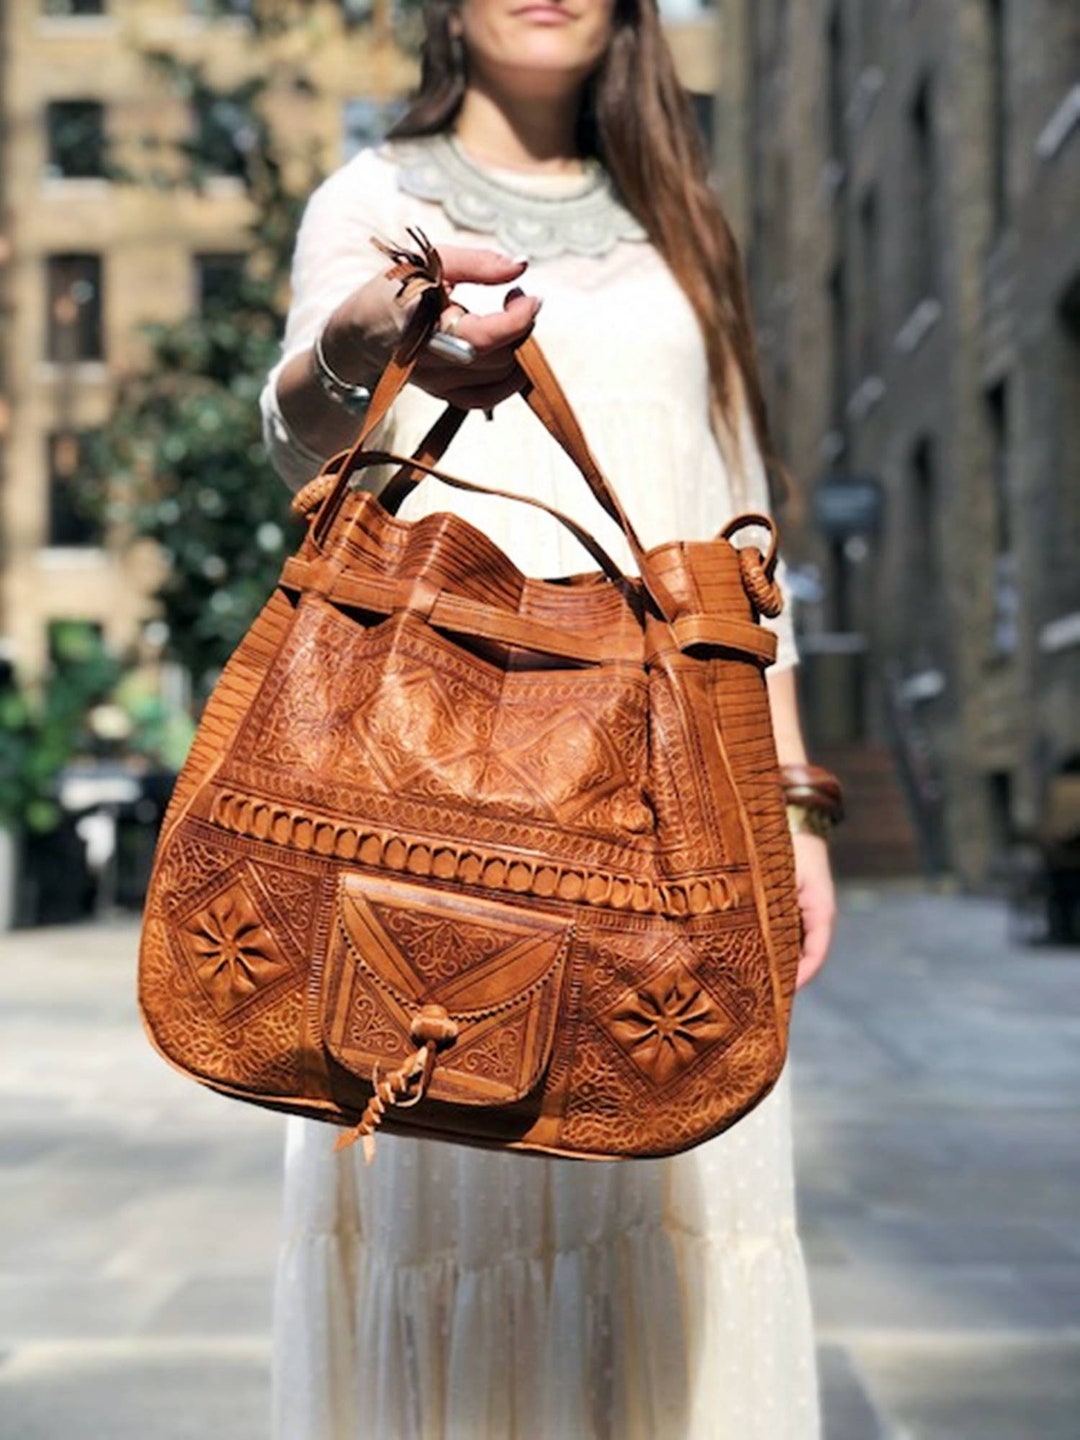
{"x": 432, "y": 1030}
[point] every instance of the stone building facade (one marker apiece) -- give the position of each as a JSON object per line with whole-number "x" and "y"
{"x": 86, "y": 262}
{"x": 904, "y": 176}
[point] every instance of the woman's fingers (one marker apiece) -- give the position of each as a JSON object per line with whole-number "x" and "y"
{"x": 486, "y": 396}
{"x": 494, "y": 374}
{"x": 464, "y": 265}
{"x": 503, "y": 329}
{"x": 817, "y": 904}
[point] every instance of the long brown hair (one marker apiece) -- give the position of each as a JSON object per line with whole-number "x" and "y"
{"x": 637, "y": 120}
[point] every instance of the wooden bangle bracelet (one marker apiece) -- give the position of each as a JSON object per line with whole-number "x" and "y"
{"x": 812, "y": 787}
{"x": 804, "y": 821}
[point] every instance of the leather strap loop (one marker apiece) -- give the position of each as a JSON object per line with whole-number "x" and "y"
{"x": 766, "y": 522}
{"x": 460, "y": 615}
{"x": 430, "y": 451}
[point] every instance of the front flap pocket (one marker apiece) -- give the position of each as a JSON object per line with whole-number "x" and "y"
{"x": 494, "y": 968}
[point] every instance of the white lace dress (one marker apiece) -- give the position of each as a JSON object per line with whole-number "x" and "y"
{"x": 445, "y": 1293}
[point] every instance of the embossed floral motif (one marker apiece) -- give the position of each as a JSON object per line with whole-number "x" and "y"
{"x": 235, "y": 954}
{"x": 665, "y": 1024}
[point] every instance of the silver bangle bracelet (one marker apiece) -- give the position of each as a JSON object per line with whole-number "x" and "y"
{"x": 354, "y": 398}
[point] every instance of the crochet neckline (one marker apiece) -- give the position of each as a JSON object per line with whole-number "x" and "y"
{"x": 538, "y": 215}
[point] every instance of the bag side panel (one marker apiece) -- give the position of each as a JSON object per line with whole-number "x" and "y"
{"x": 741, "y": 707}
{"x": 223, "y": 961}
{"x": 231, "y": 698}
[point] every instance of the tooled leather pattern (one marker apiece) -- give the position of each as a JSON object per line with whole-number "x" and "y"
{"x": 493, "y": 974}
{"x": 615, "y": 1102}
{"x": 409, "y": 717}
{"x": 593, "y": 796}
{"x": 667, "y": 1022}
{"x": 234, "y": 954}
{"x": 438, "y": 949}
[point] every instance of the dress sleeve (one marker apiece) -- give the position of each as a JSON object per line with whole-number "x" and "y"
{"x": 754, "y": 496}
{"x": 333, "y": 257}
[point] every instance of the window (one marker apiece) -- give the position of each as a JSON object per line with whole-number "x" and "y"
{"x": 64, "y": 8}
{"x": 927, "y": 615}
{"x": 676, "y": 11}
{"x": 999, "y": 805}
{"x": 224, "y": 134}
{"x": 704, "y": 107}
{"x": 76, "y": 139}
{"x": 870, "y": 32}
{"x": 998, "y": 126}
{"x": 870, "y": 330}
{"x": 780, "y": 407}
{"x": 73, "y": 322}
{"x": 218, "y": 281}
{"x": 997, "y": 409}
{"x": 1067, "y": 447}
{"x": 215, "y": 9}
{"x": 1005, "y": 591}
{"x": 72, "y": 521}
{"x": 761, "y": 159}
{"x": 779, "y": 229}
{"x": 923, "y": 204}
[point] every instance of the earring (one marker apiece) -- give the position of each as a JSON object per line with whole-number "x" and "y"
{"x": 457, "y": 53}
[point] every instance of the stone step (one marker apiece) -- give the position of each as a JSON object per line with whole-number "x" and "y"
{"x": 878, "y": 837}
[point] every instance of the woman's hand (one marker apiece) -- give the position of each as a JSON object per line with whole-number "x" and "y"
{"x": 362, "y": 332}
{"x": 817, "y": 903}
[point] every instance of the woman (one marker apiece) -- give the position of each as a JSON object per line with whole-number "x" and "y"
{"x": 446, "y": 1293}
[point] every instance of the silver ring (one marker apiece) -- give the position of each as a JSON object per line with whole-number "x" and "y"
{"x": 449, "y": 347}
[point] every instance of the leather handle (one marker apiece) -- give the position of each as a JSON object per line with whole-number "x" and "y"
{"x": 580, "y": 534}
{"x": 391, "y": 383}
{"x": 547, "y": 401}
{"x": 545, "y": 398}
{"x": 543, "y": 394}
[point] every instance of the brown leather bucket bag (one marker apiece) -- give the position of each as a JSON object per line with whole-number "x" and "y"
{"x": 492, "y": 859}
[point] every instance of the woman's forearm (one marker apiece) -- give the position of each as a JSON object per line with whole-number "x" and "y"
{"x": 317, "y": 421}
{"x": 361, "y": 334}
{"x": 787, "y": 727}
{"x": 357, "y": 341}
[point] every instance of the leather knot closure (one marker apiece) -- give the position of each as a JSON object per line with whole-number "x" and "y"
{"x": 433, "y": 1026}
{"x": 432, "y": 1030}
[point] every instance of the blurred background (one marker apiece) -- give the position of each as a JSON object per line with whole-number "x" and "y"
{"x": 903, "y": 177}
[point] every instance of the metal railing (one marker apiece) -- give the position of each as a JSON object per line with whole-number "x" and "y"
{"x": 909, "y": 739}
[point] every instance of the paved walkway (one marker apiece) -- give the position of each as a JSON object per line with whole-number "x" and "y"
{"x": 938, "y": 1085}
{"x": 938, "y": 1076}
